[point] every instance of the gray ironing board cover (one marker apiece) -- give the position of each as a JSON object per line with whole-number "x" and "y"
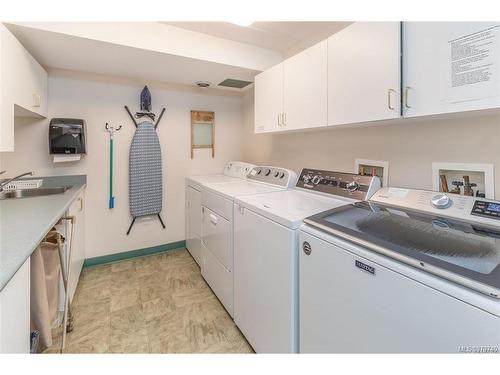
{"x": 145, "y": 171}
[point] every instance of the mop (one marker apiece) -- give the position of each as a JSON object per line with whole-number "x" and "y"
{"x": 111, "y": 130}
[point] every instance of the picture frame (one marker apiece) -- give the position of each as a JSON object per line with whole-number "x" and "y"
{"x": 202, "y": 131}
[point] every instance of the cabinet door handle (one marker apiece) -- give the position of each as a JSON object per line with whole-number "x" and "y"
{"x": 284, "y": 119}
{"x": 389, "y": 99}
{"x": 81, "y": 203}
{"x": 279, "y": 119}
{"x": 213, "y": 219}
{"x": 407, "y": 89}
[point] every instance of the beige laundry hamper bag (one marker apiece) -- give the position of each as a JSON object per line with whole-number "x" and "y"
{"x": 45, "y": 277}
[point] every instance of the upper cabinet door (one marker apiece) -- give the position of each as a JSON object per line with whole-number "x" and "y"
{"x": 450, "y": 67}
{"x": 305, "y": 89}
{"x": 269, "y": 100}
{"x": 23, "y": 87}
{"x": 364, "y": 73}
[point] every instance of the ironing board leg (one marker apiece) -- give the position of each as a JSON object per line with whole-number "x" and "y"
{"x": 161, "y": 221}
{"x": 130, "y": 227}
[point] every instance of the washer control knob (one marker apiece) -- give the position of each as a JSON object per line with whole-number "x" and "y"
{"x": 268, "y": 171}
{"x": 317, "y": 179}
{"x": 307, "y": 178}
{"x": 282, "y": 174}
{"x": 276, "y": 174}
{"x": 441, "y": 201}
{"x": 352, "y": 186}
{"x": 306, "y": 247}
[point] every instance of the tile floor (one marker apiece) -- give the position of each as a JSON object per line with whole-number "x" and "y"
{"x": 155, "y": 304}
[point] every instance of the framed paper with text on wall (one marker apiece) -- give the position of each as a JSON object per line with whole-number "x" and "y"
{"x": 202, "y": 131}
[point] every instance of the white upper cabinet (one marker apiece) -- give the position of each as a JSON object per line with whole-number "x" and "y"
{"x": 305, "y": 89}
{"x": 269, "y": 100}
{"x": 23, "y": 87}
{"x": 450, "y": 67}
{"x": 364, "y": 73}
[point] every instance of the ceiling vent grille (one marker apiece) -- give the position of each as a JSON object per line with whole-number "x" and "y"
{"x": 234, "y": 83}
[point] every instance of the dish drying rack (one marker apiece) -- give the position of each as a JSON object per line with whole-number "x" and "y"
{"x": 23, "y": 184}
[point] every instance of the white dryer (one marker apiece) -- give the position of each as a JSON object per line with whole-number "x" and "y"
{"x": 217, "y": 224}
{"x": 234, "y": 171}
{"x": 407, "y": 271}
{"x": 266, "y": 250}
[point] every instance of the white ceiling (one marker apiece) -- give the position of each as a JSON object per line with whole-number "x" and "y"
{"x": 196, "y": 51}
{"x": 55, "y": 50}
{"x": 278, "y": 36}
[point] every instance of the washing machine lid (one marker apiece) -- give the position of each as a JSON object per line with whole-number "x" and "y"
{"x": 209, "y": 179}
{"x": 289, "y": 207}
{"x": 458, "y": 250}
{"x": 233, "y": 171}
{"x": 233, "y": 189}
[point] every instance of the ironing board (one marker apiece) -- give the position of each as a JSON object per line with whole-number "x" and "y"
{"x": 145, "y": 172}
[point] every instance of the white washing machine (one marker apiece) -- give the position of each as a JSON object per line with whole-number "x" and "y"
{"x": 234, "y": 171}
{"x": 217, "y": 224}
{"x": 266, "y": 250}
{"x": 407, "y": 271}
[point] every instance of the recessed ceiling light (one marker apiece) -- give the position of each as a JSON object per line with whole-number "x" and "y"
{"x": 203, "y": 84}
{"x": 242, "y": 22}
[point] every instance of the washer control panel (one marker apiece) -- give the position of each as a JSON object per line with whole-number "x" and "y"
{"x": 273, "y": 175}
{"x": 468, "y": 208}
{"x": 238, "y": 169}
{"x": 338, "y": 183}
{"x": 487, "y": 209}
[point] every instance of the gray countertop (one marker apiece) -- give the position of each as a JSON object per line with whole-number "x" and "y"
{"x": 24, "y": 222}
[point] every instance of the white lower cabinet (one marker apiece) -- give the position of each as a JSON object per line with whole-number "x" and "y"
{"x": 450, "y": 67}
{"x": 15, "y": 313}
{"x": 364, "y": 73}
{"x": 193, "y": 223}
{"x": 77, "y": 210}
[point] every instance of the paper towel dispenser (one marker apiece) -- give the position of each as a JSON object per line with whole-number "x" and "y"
{"x": 67, "y": 136}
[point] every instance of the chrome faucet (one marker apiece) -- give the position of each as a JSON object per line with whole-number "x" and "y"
{"x": 5, "y": 183}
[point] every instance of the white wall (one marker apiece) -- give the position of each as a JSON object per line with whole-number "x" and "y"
{"x": 101, "y": 99}
{"x": 410, "y": 146}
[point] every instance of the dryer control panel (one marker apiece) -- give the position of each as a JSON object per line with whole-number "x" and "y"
{"x": 273, "y": 175}
{"x": 337, "y": 183}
